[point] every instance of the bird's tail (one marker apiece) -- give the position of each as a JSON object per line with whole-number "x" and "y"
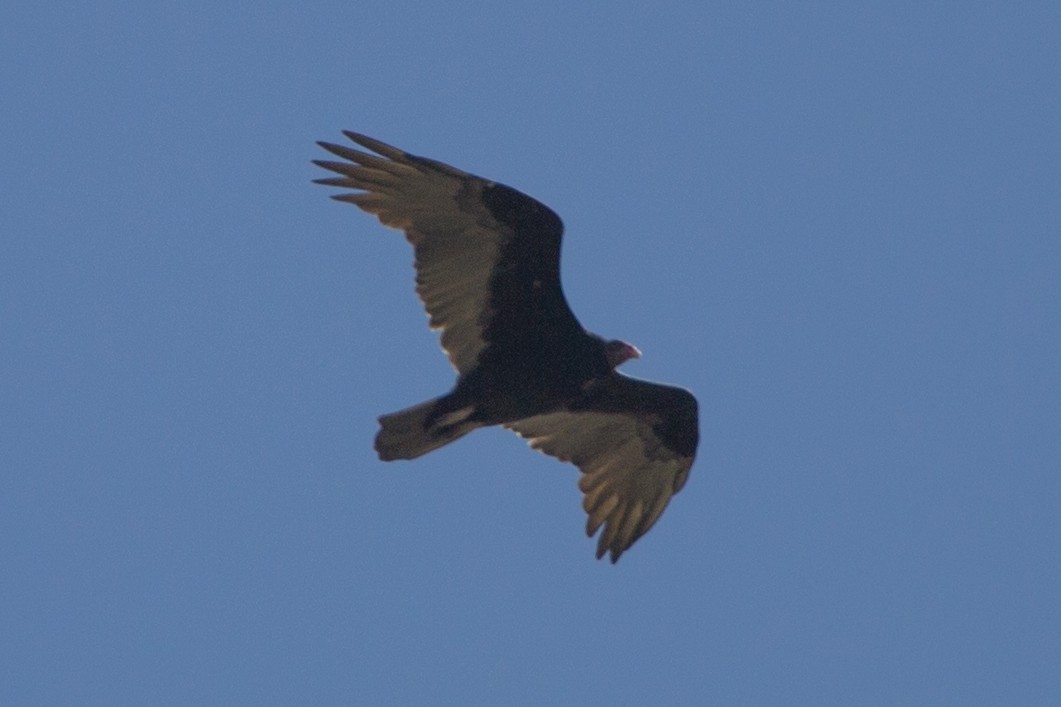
{"x": 409, "y": 433}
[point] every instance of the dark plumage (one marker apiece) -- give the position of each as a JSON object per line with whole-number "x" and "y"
{"x": 488, "y": 273}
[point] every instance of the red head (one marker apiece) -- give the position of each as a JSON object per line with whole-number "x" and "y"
{"x": 619, "y": 351}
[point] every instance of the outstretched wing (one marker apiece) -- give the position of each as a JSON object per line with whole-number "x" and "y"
{"x": 634, "y": 442}
{"x": 487, "y": 256}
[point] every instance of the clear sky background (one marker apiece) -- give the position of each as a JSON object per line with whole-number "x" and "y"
{"x": 839, "y": 224}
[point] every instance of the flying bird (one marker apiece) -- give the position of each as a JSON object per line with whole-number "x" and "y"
{"x": 488, "y": 274}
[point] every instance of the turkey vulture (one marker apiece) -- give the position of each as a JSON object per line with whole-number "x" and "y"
{"x": 488, "y": 273}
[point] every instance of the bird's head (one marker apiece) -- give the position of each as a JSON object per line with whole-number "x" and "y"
{"x": 619, "y": 351}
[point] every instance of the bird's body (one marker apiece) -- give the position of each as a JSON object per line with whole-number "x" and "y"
{"x": 488, "y": 272}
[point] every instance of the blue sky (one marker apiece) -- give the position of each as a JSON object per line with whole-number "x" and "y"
{"x": 837, "y": 223}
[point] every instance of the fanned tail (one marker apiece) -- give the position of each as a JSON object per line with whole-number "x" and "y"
{"x": 410, "y": 433}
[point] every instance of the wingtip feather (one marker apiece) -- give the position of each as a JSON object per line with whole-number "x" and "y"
{"x": 380, "y": 148}
{"x": 334, "y": 182}
{"x": 332, "y": 147}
